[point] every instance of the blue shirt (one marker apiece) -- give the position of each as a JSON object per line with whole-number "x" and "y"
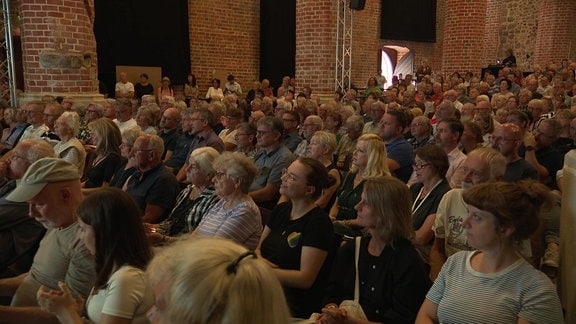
{"x": 402, "y": 152}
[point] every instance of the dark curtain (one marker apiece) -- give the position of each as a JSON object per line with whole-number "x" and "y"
{"x": 142, "y": 33}
{"x": 277, "y": 40}
{"x": 413, "y": 20}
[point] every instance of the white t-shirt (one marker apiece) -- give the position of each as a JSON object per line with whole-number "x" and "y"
{"x": 124, "y": 88}
{"x": 127, "y": 295}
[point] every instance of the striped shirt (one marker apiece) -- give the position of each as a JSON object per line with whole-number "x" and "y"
{"x": 464, "y": 295}
{"x": 241, "y": 223}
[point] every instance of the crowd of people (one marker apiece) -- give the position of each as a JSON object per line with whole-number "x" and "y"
{"x": 413, "y": 202}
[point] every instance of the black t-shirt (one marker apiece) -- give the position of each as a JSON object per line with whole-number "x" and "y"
{"x": 141, "y": 90}
{"x": 283, "y": 246}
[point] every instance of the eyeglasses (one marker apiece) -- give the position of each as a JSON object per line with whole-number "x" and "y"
{"x": 418, "y": 124}
{"x": 288, "y": 175}
{"x": 193, "y": 167}
{"x": 262, "y": 132}
{"x": 310, "y": 125}
{"x": 419, "y": 165}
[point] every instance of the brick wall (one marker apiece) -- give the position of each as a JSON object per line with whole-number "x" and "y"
{"x": 58, "y": 46}
{"x": 315, "y": 44}
{"x": 556, "y": 35}
{"x": 225, "y": 37}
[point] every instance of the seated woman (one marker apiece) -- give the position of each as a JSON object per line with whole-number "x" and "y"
{"x": 321, "y": 148}
{"x": 486, "y": 124}
{"x": 121, "y": 293}
{"x": 146, "y": 119}
{"x": 70, "y": 148}
{"x": 127, "y": 166}
{"x": 298, "y": 238}
{"x": 195, "y": 201}
{"x": 236, "y": 216}
{"x": 368, "y": 160}
{"x": 372, "y": 88}
{"x": 495, "y": 276}
{"x": 214, "y": 281}
{"x": 245, "y": 137}
{"x": 393, "y": 278}
{"x": 430, "y": 166}
{"x": 106, "y": 136}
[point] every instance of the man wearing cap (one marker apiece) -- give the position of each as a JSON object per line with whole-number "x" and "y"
{"x": 124, "y": 88}
{"x": 52, "y": 188}
{"x": 19, "y": 233}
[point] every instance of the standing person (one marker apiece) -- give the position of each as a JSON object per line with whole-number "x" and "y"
{"x": 143, "y": 87}
{"x": 106, "y": 136}
{"x": 368, "y": 160}
{"x": 215, "y": 92}
{"x": 164, "y": 89}
{"x": 298, "y": 238}
{"x": 510, "y": 290}
{"x": 121, "y": 293}
{"x": 52, "y": 188}
{"x": 124, "y": 88}
{"x": 190, "y": 89}
{"x": 392, "y": 278}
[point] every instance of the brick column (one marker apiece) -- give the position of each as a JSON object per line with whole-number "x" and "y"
{"x": 315, "y": 45}
{"x": 463, "y": 35}
{"x": 556, "y": 35}
{"x": 59, "y": 49}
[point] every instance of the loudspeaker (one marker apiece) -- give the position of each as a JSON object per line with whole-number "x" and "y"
{"x": 357, "y": 4}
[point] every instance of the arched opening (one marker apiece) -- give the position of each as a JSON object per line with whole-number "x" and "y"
{"x": 396, "y": 61}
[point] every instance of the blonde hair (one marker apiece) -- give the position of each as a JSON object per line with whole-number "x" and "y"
{"x": 376, "y": 166}
{"x": 327, "y": 140}
{"x": 215, "y": 281}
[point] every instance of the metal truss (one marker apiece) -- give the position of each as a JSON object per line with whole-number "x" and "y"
{"x": 343, "y": 55}
{"x": 7, "y": 64}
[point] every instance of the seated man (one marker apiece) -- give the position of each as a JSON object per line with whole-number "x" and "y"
{"x": 52, "y": 187}
{"x": 153, "y": 187}
{"x": 271, "y": 160}
{"x": 19, "y": 234}
{"x": 400, "y": 152}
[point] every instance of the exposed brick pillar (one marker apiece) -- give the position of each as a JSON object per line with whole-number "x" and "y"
{"x": 59, "y": 49}
{"x": 556, "y": 35}
{"x": 463, "y": 35}
{"x": 316, "y": 45}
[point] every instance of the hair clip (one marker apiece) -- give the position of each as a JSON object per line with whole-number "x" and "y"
{"x": 233, "y": 267}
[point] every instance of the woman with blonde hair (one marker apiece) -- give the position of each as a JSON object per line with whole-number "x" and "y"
{"x": 214, "y": 281}
{"x": 500, "y": 216}
{"x": 393, "y": 278}
{"x": 321, "y": 148}
{"x": 146, "y": 119}
{"x": 106, "y": 136}
{"x": 368, "y": 160}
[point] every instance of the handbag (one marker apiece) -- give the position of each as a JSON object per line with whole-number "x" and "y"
{"x": 353, "y": 307}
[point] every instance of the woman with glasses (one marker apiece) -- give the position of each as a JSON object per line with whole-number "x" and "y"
{"x": 193, "y": 202}
{"x": 235, "y": 216}
{"x": 106, "y": 137}
{"x": 368, "y": 160}
{"x": 298, "y": 238}
{"x": 430, "y": 167}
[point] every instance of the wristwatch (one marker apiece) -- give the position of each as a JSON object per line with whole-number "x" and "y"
{"x": 529, "y": 148}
